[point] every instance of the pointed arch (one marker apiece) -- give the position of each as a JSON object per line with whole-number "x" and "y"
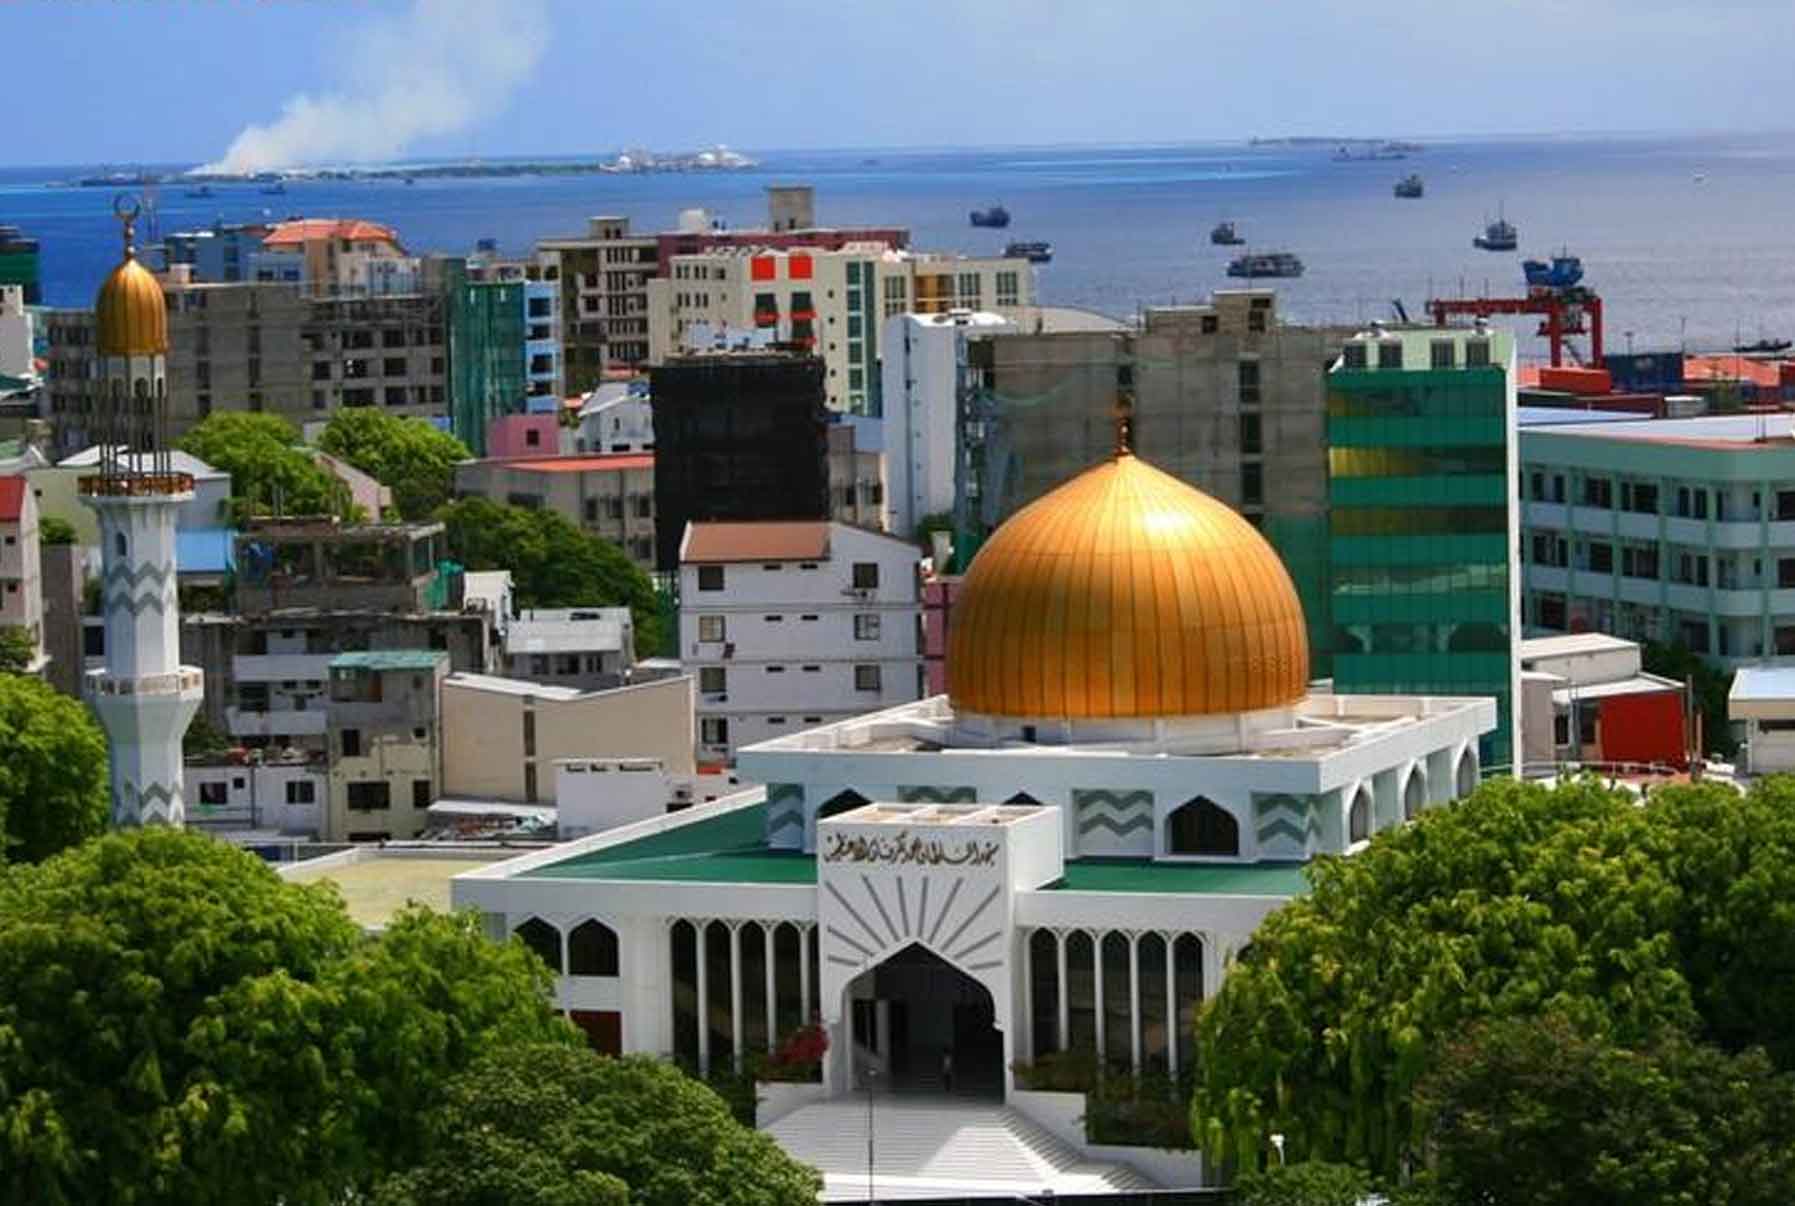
{"x": 1465, "y": 778}
{"x": 1201, "y": 826}
{"x": 840, "y": 802}
{"x": 1358, "y": 820}
{"x": 592, "y": 949}
{"x": 1414, "y": 793}
{"x": 544, "y": 939}
{"x": 1023, "y": 797}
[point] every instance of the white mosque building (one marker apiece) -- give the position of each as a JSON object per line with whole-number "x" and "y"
{"x": 1127, "y": 774}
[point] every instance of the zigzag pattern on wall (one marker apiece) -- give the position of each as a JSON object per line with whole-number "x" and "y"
{"x": 906, "y": 918}
{"x": 785, "y": 809}
{"x": 137, "y": 606}
{"x": 1120, "y": 812}
{"x": 921, "y": 794}
{"x": 120, "y": 572}
{"x": 1283, "y": 825}
{"x": 156, "y": 804}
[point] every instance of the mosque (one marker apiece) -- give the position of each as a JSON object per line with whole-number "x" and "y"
{"x": 1127, "y": 774}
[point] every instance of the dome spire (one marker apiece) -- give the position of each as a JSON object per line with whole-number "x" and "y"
{"x": 126, "y": 209}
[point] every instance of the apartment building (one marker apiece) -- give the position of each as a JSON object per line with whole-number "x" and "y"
{"x": 21, "y": 577}
{"x": 610, "y": 495}
{"x": 384, "y": 735}
{"x": 828, "y": 302}
{"x": 1680, "y": 531}
{"x": 787, "y": 626}
{"x": 584, "y": 648}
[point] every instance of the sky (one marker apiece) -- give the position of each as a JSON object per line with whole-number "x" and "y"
{"x": 254, "y": 82}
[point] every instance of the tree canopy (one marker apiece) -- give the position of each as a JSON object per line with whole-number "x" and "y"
{"x": 1630, "y": 922}
{"x": 560, "y": 1126}
{"x": 410, "y": 456}
{"x": 552, "y": 562}
{"x": 269, "y": 467}
{"x": 53, "y": 529}
{"x": 53, "y": 771}
{"x": 1312, "y": 1184}
{"x": 17, "y": 649}
{"x": 179, "y": 1024}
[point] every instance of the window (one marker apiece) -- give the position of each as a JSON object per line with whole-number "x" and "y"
{"x": 529, "y": 734}
{"x": 1359, "y": 820}
{"x": 1352, "y": 355}
{"x": 710, "y": 577}
{"x": 774, "y": 619}
{"x": 214, "y": 793}
{"x": 1600, "y": 557}
{"x": 775, "y": 669}
{"x": 1389, "y": 354}
{"x": 710, "y": 628}
{"x": 866, "y": 678}
{"x": 592, "y": 950}
{"x": 1639, "y": 562}
{"x": 542, "y": 938}
{"x": 351, "y": 743}
{"x": 1247, "y": 377}
{"x": 1477, "y": 353}
{"x": 1598, "y": 492}
{"x": 420, "y": 794}
{"x": 866, "y": 575}
{"x": 1785, "y": 573}
{"x": 713, "y": 680}
{"x": 713, "y": 730}
{"x": 1250, "y": 441}
{"x": 302, "y": 791}
{"x": 1640, "y": 497}
{"x": 1252, "y": 484}
{"x": 370, "y": 797}
{"x": 1441, "y": 354}
{"x": 866, "y": 628}
{"x": 1203, "y": 827}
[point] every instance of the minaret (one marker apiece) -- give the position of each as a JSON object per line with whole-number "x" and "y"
{"x": 145, "y": 698}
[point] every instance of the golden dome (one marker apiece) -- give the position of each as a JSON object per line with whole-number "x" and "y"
{"x": 130, "y": 313}
{"x": 1126, "y": 593}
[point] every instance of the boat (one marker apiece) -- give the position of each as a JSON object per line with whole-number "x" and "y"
{"x": 1273, "y": 263}
{"x": 202, "y": 192}
{"x": 996, "y": 217}
{"x": 1499, "y": 235}
{"x": 1409, "y": 187}
{"x": 1563, "y": 272}
{"x": 1764, "y": 346}
{"x": 1034, "y": 252}
{"x": 275, "y": 190}
{"x": 1223, "y": 235}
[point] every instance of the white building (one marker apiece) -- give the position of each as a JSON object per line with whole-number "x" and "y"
{"x": 21, "y": 577}
{"x": 586, "y": 648}
{"x": 924, "y": 362}
{"x": 17, "y": 359}
{"x": 280, "y": 795}
{"x": 1126, "y": 776}
{"x": 1762, "y": 700}
{"x": 616, "y": 417}
{"x": 791, "y": 625}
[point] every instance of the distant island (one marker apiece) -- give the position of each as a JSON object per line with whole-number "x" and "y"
{"x": 716, "y": 159}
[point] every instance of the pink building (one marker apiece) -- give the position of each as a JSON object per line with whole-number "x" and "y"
{"x": 523, "y": 435}
{"x": 938, "y": 595}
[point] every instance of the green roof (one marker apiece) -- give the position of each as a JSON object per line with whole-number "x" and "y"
{"x": 390, "y": 659}
{"x": 732, "y": 848}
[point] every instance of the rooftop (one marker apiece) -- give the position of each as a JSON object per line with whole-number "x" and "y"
{"x": 390, "y": 659}
{"x": 1573, "y": 644}
{"x": 1763, "y": 684}
{"x": 1638, "y": 684}
{"x": 12, "y": 498}
{"x": 180, "y": 462}
{"x": 568, "y": 630}
{"x": 611, "y": 462}
{"x": 510, "y": 686}
{"x": 376, "y": 882}
{"x": 1738, "y": 433}
{"x": 305, "y": 230}
{"x": 806, "y": 540}
{"x": 730, "y": 847}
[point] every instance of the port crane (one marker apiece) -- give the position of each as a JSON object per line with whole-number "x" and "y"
{"x": 1564, "y": 311}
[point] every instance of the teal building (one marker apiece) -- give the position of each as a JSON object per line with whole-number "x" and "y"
{"x": 1422, "y": 523}
{"x": 486, "y": 354}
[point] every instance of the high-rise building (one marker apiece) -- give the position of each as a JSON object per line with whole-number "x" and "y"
{"x": 18, "y": 263}
{"x": 144, "y": 697}
{"x": 486, "y": 350}
{"x": 738, "y": 436}
{"x": 1422, "y": 520}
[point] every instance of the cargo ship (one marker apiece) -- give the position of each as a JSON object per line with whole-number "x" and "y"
{"x": 1563, "y": 272}
{"x": 1499, "y": 235}
{"x": 1224, "y": 235}
{"x": 1274, "y": 263}
{"x": 1034, "y": 252}
{"x": 1409, "y": 187}
{"x": 996, "y": 217}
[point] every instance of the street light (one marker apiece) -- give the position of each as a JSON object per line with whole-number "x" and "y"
{"x": 1277, "y": 1141}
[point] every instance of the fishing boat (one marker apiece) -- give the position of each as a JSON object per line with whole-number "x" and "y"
{"x": 202, "y": 192}
{"x": 1272, "y": 263}
{"x": 1409, "y": 187}
{"x": 1035, "y": 252}
{"x": 995, "y": 217}
{"x": 1764, "y": 347}
{"x": 1223, "y": 234}
{"x": 1499, "y": 235}
{"x": 1563, "y": 272}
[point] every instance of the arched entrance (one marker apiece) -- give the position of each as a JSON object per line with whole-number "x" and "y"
{"x": 930, "y": 1026}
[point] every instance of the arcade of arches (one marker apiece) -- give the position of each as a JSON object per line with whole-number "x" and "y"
{"x": 1130, "y": 997}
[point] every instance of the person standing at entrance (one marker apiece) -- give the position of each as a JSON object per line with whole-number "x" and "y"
{"x": 947, "y": 1071}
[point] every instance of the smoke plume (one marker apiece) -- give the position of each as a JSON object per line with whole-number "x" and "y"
{"x": 432, "y": 70}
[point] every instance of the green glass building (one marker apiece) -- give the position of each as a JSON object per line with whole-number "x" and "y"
{"x": 486, "y": 354}
{"x": 1421, "y": 519}
{"x": 18, "y": 263}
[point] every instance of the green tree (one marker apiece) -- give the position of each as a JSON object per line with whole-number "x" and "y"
{"x": 552, "y": 562}
{"x": 17, "y": 649}
{"x": 52, "y": 529}
{"x": 180, "y": 1025}
{"x": 409, "y": 455}
{"x": 203, "y": 738}
{"x": 53, "y": 777}
{"x": 1311, "y": 1184}
{"x": 560, "y": 1126}
{"x": 268, "y": 466}
{"x": 1532, "y": 1112}
{"x": 1708, "y": 688}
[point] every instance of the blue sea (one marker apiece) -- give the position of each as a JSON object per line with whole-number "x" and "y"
{"x": 1689, "y": 240}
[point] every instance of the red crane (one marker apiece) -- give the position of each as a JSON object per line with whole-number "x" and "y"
{"x": 1566, "y": 312}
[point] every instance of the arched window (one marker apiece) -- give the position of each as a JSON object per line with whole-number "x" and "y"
{"x": 1023, "y": 797}
{"x": 1201, "y": 826}
{"x": 542, "y": 938}
{"x": 118, "y": 543}
{"x": 1414, "y": 794}
{"x": 840, "y": 802}
{"x": 1467, "y": 773}
{"x": 1358, "y": 822}
{"x": 592, "y": 950}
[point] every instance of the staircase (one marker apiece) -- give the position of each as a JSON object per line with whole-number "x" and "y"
{"x": 930, "y": 1147}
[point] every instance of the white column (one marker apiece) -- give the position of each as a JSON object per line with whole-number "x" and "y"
{"x": 766, "y": 937}
{"x": 704, "y": 1001}
{"x": 804, "y": 1008}
{"x": 735, "y": 991}
{"x": 1028, "y": 993}
{"x": 1172, "y": 1020}
{"x": 1097, "y": 982}
{"x": 1214, "y": 957}
{"x": 1059, "y": 937}
{"x": 1134, "y": 999}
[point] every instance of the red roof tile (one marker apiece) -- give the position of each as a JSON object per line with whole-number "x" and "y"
{"x": 613, "y": 462}
{"x": 794, "y": 540}
{"x": 12, "y": 498}
{"x": 304, "y": 230}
